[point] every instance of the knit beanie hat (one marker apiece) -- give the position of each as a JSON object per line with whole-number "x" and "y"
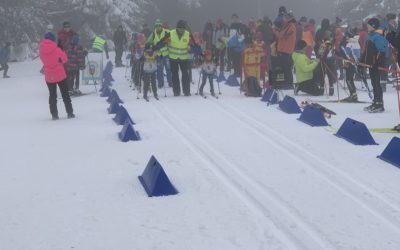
{"x": 158, "y": 22}
{"x": 301, "y": 44}
{"x": 50, "y": 36}
{"x": 374, "y": 22}
{"x": 181, "y": 24}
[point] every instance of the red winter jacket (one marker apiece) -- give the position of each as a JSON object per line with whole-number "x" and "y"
{"x": 53, "y": 59}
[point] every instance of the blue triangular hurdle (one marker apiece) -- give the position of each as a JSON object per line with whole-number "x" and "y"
{"x": 121, "y": 116}
{"x": 289, "y": 105}
{"x": 128, "y": 133}
{"x": 155, "y": 181}
{"x": 270, "y": 96}
{"x": 221, "y": 77}
{"x": 114, "y": 97}
{"x": 113, "y": 108}
{"x": 232, "y": 81}
{"x": 106, "y": 92}
{"x": 355, "y": 132}
{"x": 313, "y": 116}
{"x": 391, "y": 154}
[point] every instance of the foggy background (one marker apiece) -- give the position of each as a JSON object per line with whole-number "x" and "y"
{"x": 173, "y": 10}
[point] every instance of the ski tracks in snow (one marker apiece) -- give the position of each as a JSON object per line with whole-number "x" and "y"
{"x": 288, "y": 226}
{"x": 366, "y": 197}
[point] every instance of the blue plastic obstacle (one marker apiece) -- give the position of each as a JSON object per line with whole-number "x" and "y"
{"x": 289, "y": 105}
{"x": 155, "y": 181}
{"x": 391, "y": 154}
{"x": 104, "y": 85}
{"x": 108, "y": 78}
{"x": 270, "y": 96}
{"x": 114, "y": 97}
{"x": 113, "y": 108}
{"x": 355, "y": 132}
{"x": 221, "y": 77}
{"x": 232, "y": 81}
{"x": 313, "y": 116}
{"x": 106, "y": 92}
{"x": 122, "y": 116}
{"x": 128, "y": 133}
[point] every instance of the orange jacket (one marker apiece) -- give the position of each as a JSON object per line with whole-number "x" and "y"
{"x": 286, "y": 38}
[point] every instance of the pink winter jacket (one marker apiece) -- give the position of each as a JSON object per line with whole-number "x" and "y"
{"x": 53, "y": 59}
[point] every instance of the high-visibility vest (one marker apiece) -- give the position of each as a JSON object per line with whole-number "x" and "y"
{"x": 178, "y": 48}
{"x": 156, "y": 38}
{"x": 99, "y": 43}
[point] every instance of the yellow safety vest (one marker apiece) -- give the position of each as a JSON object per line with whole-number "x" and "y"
{"x": 156, "y": 38}
{"x": 99, "y": 43}
{"x": 178, "y": 48}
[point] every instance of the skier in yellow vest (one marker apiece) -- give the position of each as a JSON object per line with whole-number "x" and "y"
{"x": 179, "y": 41}
{"x": 99, "y": 45}
{"x": 162, "y": 55}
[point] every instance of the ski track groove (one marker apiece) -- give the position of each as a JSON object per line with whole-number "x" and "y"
{"x": 330, "y": 177}
{"x": 247, "y": 190}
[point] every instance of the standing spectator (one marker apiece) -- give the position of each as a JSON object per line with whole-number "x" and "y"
{"x": 375, "y": 55}
{"x": 286, "y": 39}
{"x": 4, "y": 57}
{"x": 233, "y": 30}
{"x": 220, "y": 40}
{"x": 53, "y": 59}
{"x": 65, "y": 35}
{"x": 120, "y": 42}
{"x": 338, "y": 38}
{"x": 208, "y": 32}
{"x": 236, "y": 45}
{"x": 76, "y": 62}
{"x": 309, "y": 36}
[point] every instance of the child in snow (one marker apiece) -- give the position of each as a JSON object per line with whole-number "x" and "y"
{"x": 53, "y": 59}
{"x": 4, "y": 57}
{"x": 149, "y": 71}
{"x": 208, "y": 70}
{"x": 76, "y": 62}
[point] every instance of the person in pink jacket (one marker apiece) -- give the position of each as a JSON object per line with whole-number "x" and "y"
{"x": 53, "y": 59}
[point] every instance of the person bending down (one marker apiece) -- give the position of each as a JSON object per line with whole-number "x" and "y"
{"x": 308, "y": 79}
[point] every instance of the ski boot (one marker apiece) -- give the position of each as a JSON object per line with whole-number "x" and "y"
{"x": 351, "y": 98}
{"x": 377, "y": 108}
{"x": 54, "y": 117}
{"x": 71, "y": 116}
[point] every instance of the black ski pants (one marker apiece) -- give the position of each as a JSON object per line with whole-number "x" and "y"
{"x": 376, "y": 84}
{"x": 183, "y": 65}
{"x": 4, "y": 66}
{"x": 210, "y": 78}
{"x": 63, "y": 86}
{"x": 118, "y": 55}
{"x": 149, "y": 78}
{"x": 350, "y": 72}
{"x": 73, "y": 79}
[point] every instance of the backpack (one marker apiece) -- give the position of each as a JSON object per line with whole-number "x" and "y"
{"x": 252, "y": 87}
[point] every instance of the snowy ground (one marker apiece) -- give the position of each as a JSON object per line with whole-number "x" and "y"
{"x": 249, "y": 176}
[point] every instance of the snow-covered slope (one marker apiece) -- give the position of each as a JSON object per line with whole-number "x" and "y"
{"x": 248, "y": 175}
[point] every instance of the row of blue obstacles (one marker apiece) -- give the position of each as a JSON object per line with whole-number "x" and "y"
{"x": 153, "y": 179}
{"x": 351, "y": 130}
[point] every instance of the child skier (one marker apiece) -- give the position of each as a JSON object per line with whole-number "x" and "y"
{"x": 208, "y": 71}
{"x": 149, "y": 71}
{"x": 76, "y": 62}
{"x": 4, "y": 57}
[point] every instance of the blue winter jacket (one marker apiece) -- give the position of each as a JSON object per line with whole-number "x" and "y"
{"x": 235, "y": 44}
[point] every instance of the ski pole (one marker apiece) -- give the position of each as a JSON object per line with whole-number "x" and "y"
{"x": 140, "y": 82}
{"x": 198, "y": 83}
